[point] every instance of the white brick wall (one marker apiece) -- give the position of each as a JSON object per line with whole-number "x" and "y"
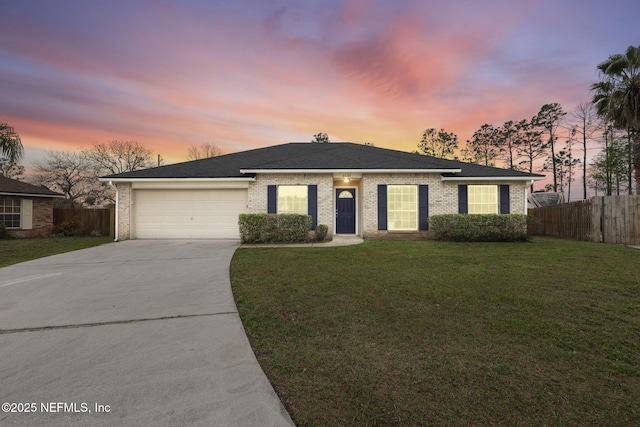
{"x": 257, "y": 201}
{"x": 124, "y": 210}
{"x": 517, "y": 194}
{"x": 443, "y": 196}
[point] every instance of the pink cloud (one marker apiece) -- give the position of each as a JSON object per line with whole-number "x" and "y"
{"x": 172, "y": 75}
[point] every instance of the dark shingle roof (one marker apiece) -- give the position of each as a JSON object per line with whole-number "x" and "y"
{"x": 472, "y": 170}
{"x": 10, "y": 186}
{"x": 309, "y": 156}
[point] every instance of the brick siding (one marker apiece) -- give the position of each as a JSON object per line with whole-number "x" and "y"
{"x": 124, "y": 210}
{"x": 443, "y": 198}
{"x": 257, "y": 198}
{"x": 42, "y": 219}
{"x": 443, "y": 195}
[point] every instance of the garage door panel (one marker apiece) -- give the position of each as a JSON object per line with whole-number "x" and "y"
{"x": 189, "y": 214}
{"x": 177, "y": 196}
{"x": 160, "y": 211}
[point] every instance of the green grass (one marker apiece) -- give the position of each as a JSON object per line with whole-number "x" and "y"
{"x": 432, "y": 333}
{"x": 20, "y": 250}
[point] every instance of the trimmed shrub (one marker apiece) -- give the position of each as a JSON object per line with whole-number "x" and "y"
{"x": 274, "y": 228}
{"x": 4, "y": 233}
{"x": 68, "y": 228}
{"x": 479, "y": 228}
{"x": 251, "y": 227}
{"x": 321, "y": 232}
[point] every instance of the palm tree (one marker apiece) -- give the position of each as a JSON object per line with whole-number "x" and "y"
{"x": 617, "y": 97}
{"x": 10, "y": 144}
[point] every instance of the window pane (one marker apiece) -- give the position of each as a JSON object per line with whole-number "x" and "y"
{"x": 483, "y": 199}
{"x": 402, "y": 207}
{"x": 292, "y": 199}
{"x": 10, "y": 213}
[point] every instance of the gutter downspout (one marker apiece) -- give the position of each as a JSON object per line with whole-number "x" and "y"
{"x": 526, "y": 198}
{"x": 116, "y": 225}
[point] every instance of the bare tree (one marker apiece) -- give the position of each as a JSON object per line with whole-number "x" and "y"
{"x": 118, "y": 157}
{"x": 203, "y": 151}
{"x": 585, "y": 122}
{"x": 71, "y": 174}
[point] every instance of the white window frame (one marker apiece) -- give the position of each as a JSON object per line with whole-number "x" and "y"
{"x": 13, "y": 203}
{"x": 406, "y": 208}
{"x": 477, "y": 203}
{"x": 303, "y": 206}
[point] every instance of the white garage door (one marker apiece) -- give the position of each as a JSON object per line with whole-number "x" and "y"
{"x": 188, "y": 214}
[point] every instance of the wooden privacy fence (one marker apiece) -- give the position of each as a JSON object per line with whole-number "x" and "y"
{"x": 90, "y": 221}
{"x": 608, "y": 219}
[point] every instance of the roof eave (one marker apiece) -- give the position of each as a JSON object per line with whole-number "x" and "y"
{"x": 286, "y": 171}
{"x": 5, "y": 193}
{"x": 492, "y": 178}
{"x": 226, "y": 179}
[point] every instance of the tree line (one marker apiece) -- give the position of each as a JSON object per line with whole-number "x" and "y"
{"x": 75, "y": 174}
{"x": 553, "y": 139}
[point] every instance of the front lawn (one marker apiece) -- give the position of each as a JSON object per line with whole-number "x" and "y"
{"x": 20, "y": 250}
{"x": 431, "y": 333}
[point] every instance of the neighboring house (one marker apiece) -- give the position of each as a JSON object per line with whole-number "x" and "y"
{"x": 26, "y": 210}
{"x": 353, "y": 189}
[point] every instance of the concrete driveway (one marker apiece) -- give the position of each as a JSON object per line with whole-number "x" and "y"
{"x": 129, "y": 333}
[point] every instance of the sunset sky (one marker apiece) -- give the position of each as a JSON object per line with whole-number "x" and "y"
{"x": 246, "y": 74}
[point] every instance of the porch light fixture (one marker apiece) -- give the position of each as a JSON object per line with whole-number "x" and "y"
{"x": 346, "y": 180}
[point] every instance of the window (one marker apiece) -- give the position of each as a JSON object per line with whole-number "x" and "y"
{"x": 483, "y": 199}
{"x": 10, "y": 213}
{"x": 402, "y": 207}
{"x": 292, "y": 199}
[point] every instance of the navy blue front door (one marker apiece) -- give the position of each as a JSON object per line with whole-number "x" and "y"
{"x": 345, "y": 210}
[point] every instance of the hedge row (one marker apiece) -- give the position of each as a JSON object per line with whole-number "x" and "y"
{"x": 274, "y": 228}
{"x": 479, "y": 228}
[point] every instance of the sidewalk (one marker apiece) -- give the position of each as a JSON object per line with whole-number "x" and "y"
{"x": 337, "y": 241}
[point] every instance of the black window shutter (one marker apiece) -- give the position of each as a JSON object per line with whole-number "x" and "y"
{"x": 382, "y": 207}
{"x": 463, "y": 203}
{"x": 504, "y": 199}
{"x": 312, "y": 201}
{"x": 272, "y": 199}
{"x": 423, "y": 207}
